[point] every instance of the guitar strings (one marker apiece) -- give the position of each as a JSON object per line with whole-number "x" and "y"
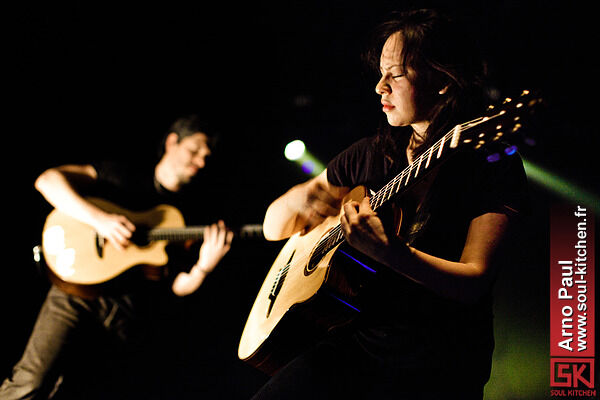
{"x": 335, "y": 236}
{"x": 196, "y": 232}
{"x": 176, "y": 233}
{"x": 390, "y": 189}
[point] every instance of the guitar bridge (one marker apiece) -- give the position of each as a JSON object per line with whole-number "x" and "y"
{"x": 278, "y": 284}
{"x": 100, "y": 245}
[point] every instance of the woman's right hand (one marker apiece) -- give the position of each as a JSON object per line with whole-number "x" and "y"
{"x": 312, "y": 202}
{"x": 303, "y": 207}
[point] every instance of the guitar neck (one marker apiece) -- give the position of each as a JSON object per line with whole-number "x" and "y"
{"x": 420, "y": 167}
{"x": 197, "y": 233}
{"x": 477, "y": 133}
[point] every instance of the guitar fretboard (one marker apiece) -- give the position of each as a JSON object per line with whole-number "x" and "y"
{"x": 477, "y": 133}
{"x": 197, "y": 232}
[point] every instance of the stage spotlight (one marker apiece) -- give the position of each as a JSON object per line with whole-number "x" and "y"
{"x": 561, "y": 186}
{"x": 308, "y": 167}
{"x": 296, "y": 151}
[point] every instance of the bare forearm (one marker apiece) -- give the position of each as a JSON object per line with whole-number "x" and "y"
{"x": 186, "y": 283}
{"x": 303, "y": 207}
{"x": 60, "y": 193}
{"x": 280, "y": 221}
{"x": 464, "y": 280}
{"x": 461, "y": 281}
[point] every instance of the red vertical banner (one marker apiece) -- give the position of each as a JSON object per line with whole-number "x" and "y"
{"x": 572, "y": 297}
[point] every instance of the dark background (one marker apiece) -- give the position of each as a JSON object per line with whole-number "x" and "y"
{"x": 98, "y": 79}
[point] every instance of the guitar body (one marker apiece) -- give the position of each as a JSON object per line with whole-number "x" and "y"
{"x": 303, "y": 297}
{"x": 309, "y": 291}
{"x": 77, "y": 255}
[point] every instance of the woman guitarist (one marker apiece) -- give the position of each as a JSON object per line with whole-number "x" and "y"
{"x": 428, "y": 333}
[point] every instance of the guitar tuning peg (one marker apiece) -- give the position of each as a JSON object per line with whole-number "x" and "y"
{"x": 507, "y": 100}
{"x": 479, "y": 144}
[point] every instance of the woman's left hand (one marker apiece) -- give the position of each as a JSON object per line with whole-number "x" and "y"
{"x": 363, "y": 229}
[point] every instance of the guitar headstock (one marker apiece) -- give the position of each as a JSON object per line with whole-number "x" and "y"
{"x": 500, "y": 124}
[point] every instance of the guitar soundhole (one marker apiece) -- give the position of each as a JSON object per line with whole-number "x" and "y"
{"x": 141, "y": 237}
{"x": 313, "y": 262}
{"x": 328, "y": 241}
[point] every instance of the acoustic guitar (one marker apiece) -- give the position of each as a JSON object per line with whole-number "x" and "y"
{"x": 78, "y": 258}
{"x": 316, "y": 283}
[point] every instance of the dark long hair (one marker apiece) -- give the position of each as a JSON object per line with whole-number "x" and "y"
{"x": 443, "y": 55}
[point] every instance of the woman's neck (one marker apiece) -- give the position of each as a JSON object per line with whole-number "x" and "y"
{"x": 417, "y": 138}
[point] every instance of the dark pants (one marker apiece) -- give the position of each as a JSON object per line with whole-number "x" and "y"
{"x": 60, "y": 335}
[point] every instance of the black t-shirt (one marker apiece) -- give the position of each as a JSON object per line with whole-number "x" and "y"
{"x": 408, "y": 319}
{"x": 134, "y": 187}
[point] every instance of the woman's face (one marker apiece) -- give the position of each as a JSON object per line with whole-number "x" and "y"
{"x": 398, "y": 94}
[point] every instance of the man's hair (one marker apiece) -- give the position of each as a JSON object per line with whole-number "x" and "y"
{"x": 186, "y": 126}
{"x": 190, "y": 124}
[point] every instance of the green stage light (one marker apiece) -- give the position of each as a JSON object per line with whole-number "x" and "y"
{"x": 296, "y": 151}
{"x": 561, "y": 186}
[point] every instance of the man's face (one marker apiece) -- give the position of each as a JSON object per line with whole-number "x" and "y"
{"x": 187, "y": 156}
